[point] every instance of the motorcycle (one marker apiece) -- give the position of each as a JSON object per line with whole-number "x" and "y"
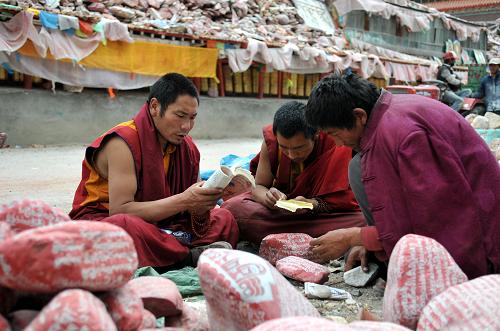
{"x": 435, "y": 89}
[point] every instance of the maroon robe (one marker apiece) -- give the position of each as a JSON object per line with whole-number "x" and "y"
{"x": 154, "y": 247}
{"x": 324, "y": 176}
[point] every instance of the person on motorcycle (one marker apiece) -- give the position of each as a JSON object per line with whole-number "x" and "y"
{"x": 489, "y": 90}
{"x": 453, "y": 96}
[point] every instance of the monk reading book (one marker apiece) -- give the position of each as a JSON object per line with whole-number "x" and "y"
{"x": 296, "y": 162}
{"x": 142, "y": 175}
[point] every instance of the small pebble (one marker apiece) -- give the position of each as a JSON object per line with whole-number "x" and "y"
{"x": 335, "y": 263}
{"x": 350, "y": 302}
{"x": 356, "y": 293}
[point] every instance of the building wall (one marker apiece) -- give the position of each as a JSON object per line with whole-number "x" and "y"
{"x": 388, "y": 34}
{"x": 40, "y": 117}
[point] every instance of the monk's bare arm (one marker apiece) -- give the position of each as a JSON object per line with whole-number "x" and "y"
{"x": 115, "y": 162}
{"x": 263, "y": 192}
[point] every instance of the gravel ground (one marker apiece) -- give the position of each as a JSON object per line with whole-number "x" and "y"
{"x": 53, "y": 173}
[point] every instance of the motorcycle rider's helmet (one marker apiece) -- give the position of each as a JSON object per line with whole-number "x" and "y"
{"x": 449, "y": 56}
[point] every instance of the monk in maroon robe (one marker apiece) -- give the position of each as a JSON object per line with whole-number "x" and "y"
{"x": 142, "y": 175}
{"x": 296, "y": 162}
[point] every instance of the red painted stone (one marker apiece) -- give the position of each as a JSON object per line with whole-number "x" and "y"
{"x": 302, "y": 270}
{"x": 301, "y": 323}
{"x": 167, "y": 329}
{"x": 274, "y": 247}
{"x": 148, "y": 320}
{"x": 73, "y": 310}
{"x": 419, "y": 269}
{"x": 193, "y": 318}
{"x": 125, "y": 308}
{"x": 159, "y": 295}
{"x": 96, "y": 256}
{"x": 243, "y": 290}
{"x": 4, "y": 324}
{"x": 375, "y": 326}
{"x": 29, "y": 214}
{"x": 20, "y": 319}
{"x": 5, "y": 231}
{"x": 473, "y": 305}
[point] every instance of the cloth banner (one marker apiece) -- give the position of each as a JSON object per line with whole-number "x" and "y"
{"x": 146, "y": 58}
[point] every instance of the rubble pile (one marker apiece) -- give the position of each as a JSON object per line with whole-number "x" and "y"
{"x": 266, "y": 20}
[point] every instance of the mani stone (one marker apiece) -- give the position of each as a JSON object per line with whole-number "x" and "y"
{"x": 73, "y": 309}
{"x": 358, "y": 278}
{"x": 302, "y": 270}
{"x": 243, "y": 290}
{"x": 159, "y": 295}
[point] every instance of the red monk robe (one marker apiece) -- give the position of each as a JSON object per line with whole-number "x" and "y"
{"x": 324, "y": 176}
{"x": 158, "y": 176}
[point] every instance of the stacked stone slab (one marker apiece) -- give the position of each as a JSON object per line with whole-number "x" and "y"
{"x": 275, "y": 247}
{"x": 273, "y": 21}
{"x": 75, "y": 274}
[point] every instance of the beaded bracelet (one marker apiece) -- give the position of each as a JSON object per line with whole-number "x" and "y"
{"x": 322, "y": 207}
{"x": 200, "y": 222}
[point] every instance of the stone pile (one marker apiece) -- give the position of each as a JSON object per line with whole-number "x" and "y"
{"x": 267, "y": 20}
{"x": 60, "y": 274}
{"x": 489, "y": 126}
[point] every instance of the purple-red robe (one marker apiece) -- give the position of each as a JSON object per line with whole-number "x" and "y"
{"x": 426, "y": 171}
{"x": 324, "y": 176}
{"x": 154, "y": 247}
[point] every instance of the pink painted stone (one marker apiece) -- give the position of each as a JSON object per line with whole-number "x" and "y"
{"x": 96, "y": 256}
{"x": 148, "y": 320}
{"x": 20, "y": 319}
{"x": 473, "y": 305}
{"x": 166, "y": 329}
{"x": 274, "y": 247}
{"x": 243, "y": 290}
{"x": 73, "y": 310}
{"x": 375, "y": 326}
{"x": 5, "y": 231}
{"x": 193, "y": 317}
{"x": 302, "y": 270}
{"x": 4, "y": 324}
{"x": 419, "y": 269}
{"x": 159, "y": 295}
{"x": 29, "y": 214}
{"x": 301, "y": 323}
{"x": 125, "y": 308}
{"x": 97, "y": 6}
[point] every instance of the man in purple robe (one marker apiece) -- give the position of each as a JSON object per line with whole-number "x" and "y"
{"x": 421, "y": 169}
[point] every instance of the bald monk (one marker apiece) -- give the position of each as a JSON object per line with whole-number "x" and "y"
{"x": 296, "y": 162}
{"x": 142, "y": 175}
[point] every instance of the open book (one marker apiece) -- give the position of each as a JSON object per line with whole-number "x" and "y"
{"x": 292, "y": 205}
{"x": 224, "y": 176}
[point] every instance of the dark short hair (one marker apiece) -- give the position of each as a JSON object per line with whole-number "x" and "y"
{"x": 290, "y": 119}
{"x": 168, "y": 88}
{"x": 333, "y": 99}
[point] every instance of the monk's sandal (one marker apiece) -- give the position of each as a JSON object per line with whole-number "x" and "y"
{"x": 196, "y": 251}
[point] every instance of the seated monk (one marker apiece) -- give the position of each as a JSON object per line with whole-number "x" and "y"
{"x": 296, "y": 162}
{"x": 142, "y": 175}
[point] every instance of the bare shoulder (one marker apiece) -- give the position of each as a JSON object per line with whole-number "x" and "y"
{"x": 115, "y": 151}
